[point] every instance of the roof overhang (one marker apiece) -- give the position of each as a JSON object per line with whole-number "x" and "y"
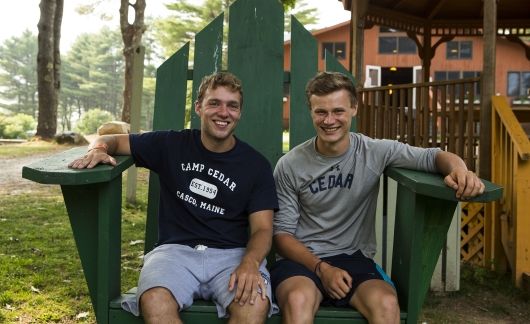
{"x": 443, "y": 17}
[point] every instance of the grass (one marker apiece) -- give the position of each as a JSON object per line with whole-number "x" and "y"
{"x": 42, "y": 278}
{"x": 10, "y": 151}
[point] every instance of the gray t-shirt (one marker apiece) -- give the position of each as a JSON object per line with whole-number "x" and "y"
{"x": 329, "y": 203}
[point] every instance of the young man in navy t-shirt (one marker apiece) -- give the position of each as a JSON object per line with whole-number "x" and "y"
{"x": 217, "y": 198}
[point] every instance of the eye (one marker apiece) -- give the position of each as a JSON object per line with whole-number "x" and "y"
{"x": 213, "y": 103}
{"x": 233, "y": 105}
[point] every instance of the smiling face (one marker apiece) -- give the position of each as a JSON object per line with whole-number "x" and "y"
{"x": 332, "y": 117}
{"x": 219, "y": 110}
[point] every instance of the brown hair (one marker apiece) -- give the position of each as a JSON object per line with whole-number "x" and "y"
{"x": 217, "y": 79}
{"x": 325, "y": 83}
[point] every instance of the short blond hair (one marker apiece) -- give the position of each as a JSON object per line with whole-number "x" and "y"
{"x": 220, "y": 79}
{"x": 325, "y": 83}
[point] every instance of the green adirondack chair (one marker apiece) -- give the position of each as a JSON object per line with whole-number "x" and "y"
{"x": 255, "y": 54}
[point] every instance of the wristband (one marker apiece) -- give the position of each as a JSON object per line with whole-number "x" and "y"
{"x": 99, "y": 146}
{"x": 317, "y": 266}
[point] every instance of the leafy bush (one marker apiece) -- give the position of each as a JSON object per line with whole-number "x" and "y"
{"x": 16, "y": 126}
{"x": 92, "y": 119}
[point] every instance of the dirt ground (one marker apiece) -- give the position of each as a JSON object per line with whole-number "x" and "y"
{"x": 484, "y": 297}
{"x": 477, "y": 303}
{"x": 11, "y": 181}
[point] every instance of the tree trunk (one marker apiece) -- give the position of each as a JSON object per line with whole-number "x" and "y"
{"x": 48, "y": 65}
{"x": 132, "y": 37}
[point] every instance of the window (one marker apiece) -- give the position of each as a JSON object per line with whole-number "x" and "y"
{"x": 456, "y": 75}
{"x": 338, "y": 49}
{"x": 519, "y": 84}
{"x": 459, "y": 50}
{"x": 396, "y": 44}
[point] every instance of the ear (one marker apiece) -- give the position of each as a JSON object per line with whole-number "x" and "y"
{"x": 198, "y": 108}
{"x": 354, "y": 107}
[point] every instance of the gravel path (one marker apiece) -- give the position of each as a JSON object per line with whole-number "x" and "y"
{"x": 11, "y": 181}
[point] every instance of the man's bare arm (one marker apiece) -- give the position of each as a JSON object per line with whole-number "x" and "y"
{"x": 101, "y": 149}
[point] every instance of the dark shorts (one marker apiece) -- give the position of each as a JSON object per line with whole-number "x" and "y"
{"x": 357, "y": 265}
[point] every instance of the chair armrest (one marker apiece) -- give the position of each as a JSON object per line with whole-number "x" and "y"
{"x": 425, "y": 207}
{"x": 432, "y": 185}
{"x": 55, "y": 170}
{"x": 93, "y": 202}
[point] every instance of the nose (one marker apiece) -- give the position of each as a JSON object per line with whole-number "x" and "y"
{"x": 329, "y": 119}
{"x": 223, "y": 110}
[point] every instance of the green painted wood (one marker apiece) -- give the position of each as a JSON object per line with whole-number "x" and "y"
{"x": 304, "y": 66}
{"x": 206, "y": 312}
{"x": 95, "y": 217}
{"x": 170, "y": 91}
{"x": 255, "y": 55}
{"x": 333, "y": 65}
{"x": 55, "y": 170}
{"x": 420, "y": 230}
{"x": 169, "y": 113}
{"x": 432, "y": 185}
{"x": 424, "y": 210}
{"x": 151, "y": 222}
{"x": 207, "y": 58}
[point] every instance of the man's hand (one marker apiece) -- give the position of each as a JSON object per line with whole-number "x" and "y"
{"x": 337, "y": 282}
{"x": 91, "y": 159}
{"x": 249, "y": 283}
{"x": 466, "y": 183}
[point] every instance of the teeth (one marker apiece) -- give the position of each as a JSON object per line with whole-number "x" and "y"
{"x": 221, "y": 123}
{"x": 330, "y": 130}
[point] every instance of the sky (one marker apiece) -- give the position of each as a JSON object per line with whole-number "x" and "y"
{"x": 24, "y": 14}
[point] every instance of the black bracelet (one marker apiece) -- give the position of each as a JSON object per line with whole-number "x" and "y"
{"x": 317, "y": 266}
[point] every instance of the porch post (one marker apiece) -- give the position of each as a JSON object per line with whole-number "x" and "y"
{"x": 427, "y": 54}
{"x": 488, "y": 87}
{"x": 358, "y": 10}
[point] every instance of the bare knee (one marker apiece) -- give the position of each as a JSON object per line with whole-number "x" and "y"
{"x": 377, "y": 301}
{"x": 159, "y": 306}
{"x": 256, "y": 313}
{"x": 298, "y": 301}
{"x": 389, "y": 308}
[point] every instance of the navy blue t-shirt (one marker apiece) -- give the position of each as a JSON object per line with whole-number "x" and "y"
{"x": 205, "y": 197}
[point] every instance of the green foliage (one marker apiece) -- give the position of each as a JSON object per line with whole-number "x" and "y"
{"x": 18, "y": 73}
{"x": 93, "y": 73}
{"x": 16, "y": 126}
{"x": 306, "y": 15}
{"x": 92, "y": 119}
{"x": 189, "y": 18}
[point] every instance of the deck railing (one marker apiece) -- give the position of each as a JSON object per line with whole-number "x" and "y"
{"x": 510, "y": 223}
{"x": 441, "y": 114}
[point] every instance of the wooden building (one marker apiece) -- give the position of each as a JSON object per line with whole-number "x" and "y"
{"x": 391, "y": 57}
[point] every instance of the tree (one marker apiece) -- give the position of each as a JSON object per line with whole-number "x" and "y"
{"x": 92, "y": 75}
{"x": 48, "y": 66}
{"x": 18, "y": 73}
{"x": 132, "y": 38}
{"x": 189, "y": 18}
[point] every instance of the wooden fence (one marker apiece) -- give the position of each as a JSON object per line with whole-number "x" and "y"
{"x": 443, "y": 114}
{"x": 510, "y": 223}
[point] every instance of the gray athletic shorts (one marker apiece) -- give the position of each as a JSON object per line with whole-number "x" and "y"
{"x": 193, "y": 273}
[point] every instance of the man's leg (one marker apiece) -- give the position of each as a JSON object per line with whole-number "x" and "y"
{"x": 377, "y": 301}
{"x": 299, "y": 299}
{"x": 159, "y": 306}
{"x": 251, "y": 314}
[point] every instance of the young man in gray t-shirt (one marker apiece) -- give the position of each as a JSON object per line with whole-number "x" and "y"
{"x": 327, "y": 189}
